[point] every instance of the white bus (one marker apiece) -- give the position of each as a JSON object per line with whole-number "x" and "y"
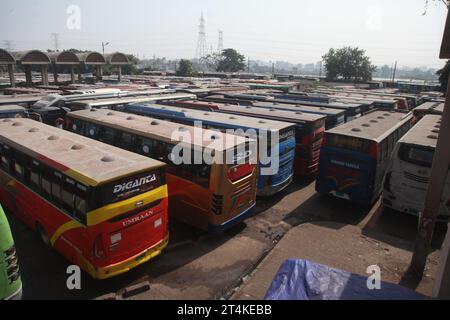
{"x": 409, "y": 171}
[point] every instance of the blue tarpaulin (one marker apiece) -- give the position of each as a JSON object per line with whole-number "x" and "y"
{"x": 306, "y": 280}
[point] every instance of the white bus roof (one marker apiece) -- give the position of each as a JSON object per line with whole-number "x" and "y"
{"x": 437, "y": 107}
{"x": 425, "y": 132}
{"x": 9, "y": 107}
{"x": 299, "y": 107}
{"x": 372, "y": 126}
{"x": 294, "y": 116}
{"x": 130, "y": 99}
{"x": 159, "y": 129}
{"x": 85, "y": 160}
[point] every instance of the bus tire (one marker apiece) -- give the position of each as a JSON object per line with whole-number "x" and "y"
{"x": 42, "y": 234}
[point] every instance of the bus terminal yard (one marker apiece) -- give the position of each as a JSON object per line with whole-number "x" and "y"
{"x": 108, "y": 181}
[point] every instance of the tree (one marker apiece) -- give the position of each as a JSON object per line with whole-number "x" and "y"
{"x": 211, "y": 60}
{"x": 230, "y": 61}
{"x": 348, "y": 63}
{"x": 443, "y": 74}
{"x": 185, "y": 68}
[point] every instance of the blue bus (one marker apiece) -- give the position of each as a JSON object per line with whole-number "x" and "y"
{"x": 268, "y": 184}
{"x": 354, "y": 156}
{"x": 13, "y": 111}
{"x": 352, "y": 110}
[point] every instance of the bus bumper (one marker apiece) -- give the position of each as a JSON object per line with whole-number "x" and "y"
{"x": 219, "y": 228}
{"x": 138, "y": 259}
{"x": 273, "y": 189}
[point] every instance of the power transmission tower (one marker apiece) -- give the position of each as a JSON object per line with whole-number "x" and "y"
{"x": 55, "y": 37}
{"x": 220, "y": 44}
{"x": 201, "y": 44}
{"x": 8, "y": 45}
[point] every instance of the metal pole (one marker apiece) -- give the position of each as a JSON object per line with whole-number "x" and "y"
{"x": 436, "y": 185}
{"x": 12, "y": 79}
{"x": 395, "y": 70}
{"x": 28, "y": 77}
{"x": 72, "y": 74}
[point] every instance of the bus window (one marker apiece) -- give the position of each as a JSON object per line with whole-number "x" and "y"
{"x": 421, "y": 156}
{"x": 67, "y": 195}
{"x": 17, "y": 166}
{"x": 126, "y": 141}
{"x": 92, "y": 130}
{"x": 77, "y": 126}
{"x": 349, "y": 143}
{"x": 46, "y": 186}
{"x": 56, "y": 187}
{"x": 80, "y": 203}
{"x": 34, "y": 176}
{"x": 107, "y": 135}
{"x": 5, "y": 158}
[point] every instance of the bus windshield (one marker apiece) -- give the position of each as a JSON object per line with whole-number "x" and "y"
{"x": 418, "y": 155}
{"x": 349, "y": 143}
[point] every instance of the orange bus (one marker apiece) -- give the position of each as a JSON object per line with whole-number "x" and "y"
{"x": 211, "y": 195}
{"x": 101, "y": 207}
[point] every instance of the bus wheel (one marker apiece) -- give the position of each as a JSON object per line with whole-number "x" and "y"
{"x": 42, "y": 234}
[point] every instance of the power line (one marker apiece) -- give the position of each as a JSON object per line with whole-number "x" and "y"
{"x": 55, "y": 37}
{"x": 220, "y": 44}
{"x": 7, "y": 44}
{"x": 201, "y": 44}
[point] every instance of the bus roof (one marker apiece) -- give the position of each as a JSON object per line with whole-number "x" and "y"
{"x": 83, "y": 159}
{"x": 11, "y": 107}
{"x": 437, "y": 107}
{"x": 151, "y": 128}
{"x": 248, "y": 122}
{"x": 96, "y": 102}
{"x": 299, "y": 107}
{"x": 372, "y": 126}
{"x": 290, "y": 116}
{"x": 425, "y": 132}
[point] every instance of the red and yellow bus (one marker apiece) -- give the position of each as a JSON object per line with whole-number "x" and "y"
{"x": 211, "y": 195}
{"x": 101, "y": 207}
{"x": 309, "y": 129}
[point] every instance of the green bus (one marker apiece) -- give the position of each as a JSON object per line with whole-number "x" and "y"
{"x": 10, "y": 282}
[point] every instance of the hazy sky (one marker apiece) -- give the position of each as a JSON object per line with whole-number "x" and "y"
{"x": 298, "y": 31}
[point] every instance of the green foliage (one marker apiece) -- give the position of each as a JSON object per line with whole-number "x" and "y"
{"x": 185, "y": 68}
{"x": 444, "y": 74}
{"x": 211, "y": 60}
{"x": 350, "y": 64}
{"x": 230, "y": 61}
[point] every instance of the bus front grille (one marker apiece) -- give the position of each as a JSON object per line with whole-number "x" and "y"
{"x": 413, "y": 177}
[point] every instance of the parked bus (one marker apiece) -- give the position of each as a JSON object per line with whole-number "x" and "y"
{"x": 25, "y": 100}
{"x": 334, "y": 117}
{"x": 212, "y": 196}
{"x": 13, "y": 111}
{"x": 268, "y": 184}
{"x": 102, "y": 208}
{"x": 52, "y": 109}
{"x": 352, "y": 111}
{"x": 408, "y": 173}
{"x": 354, "y": 156}
{"x": 10, "y": 282}
{"x": 309, "y": 129}
{"x": 428, "y": 108}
